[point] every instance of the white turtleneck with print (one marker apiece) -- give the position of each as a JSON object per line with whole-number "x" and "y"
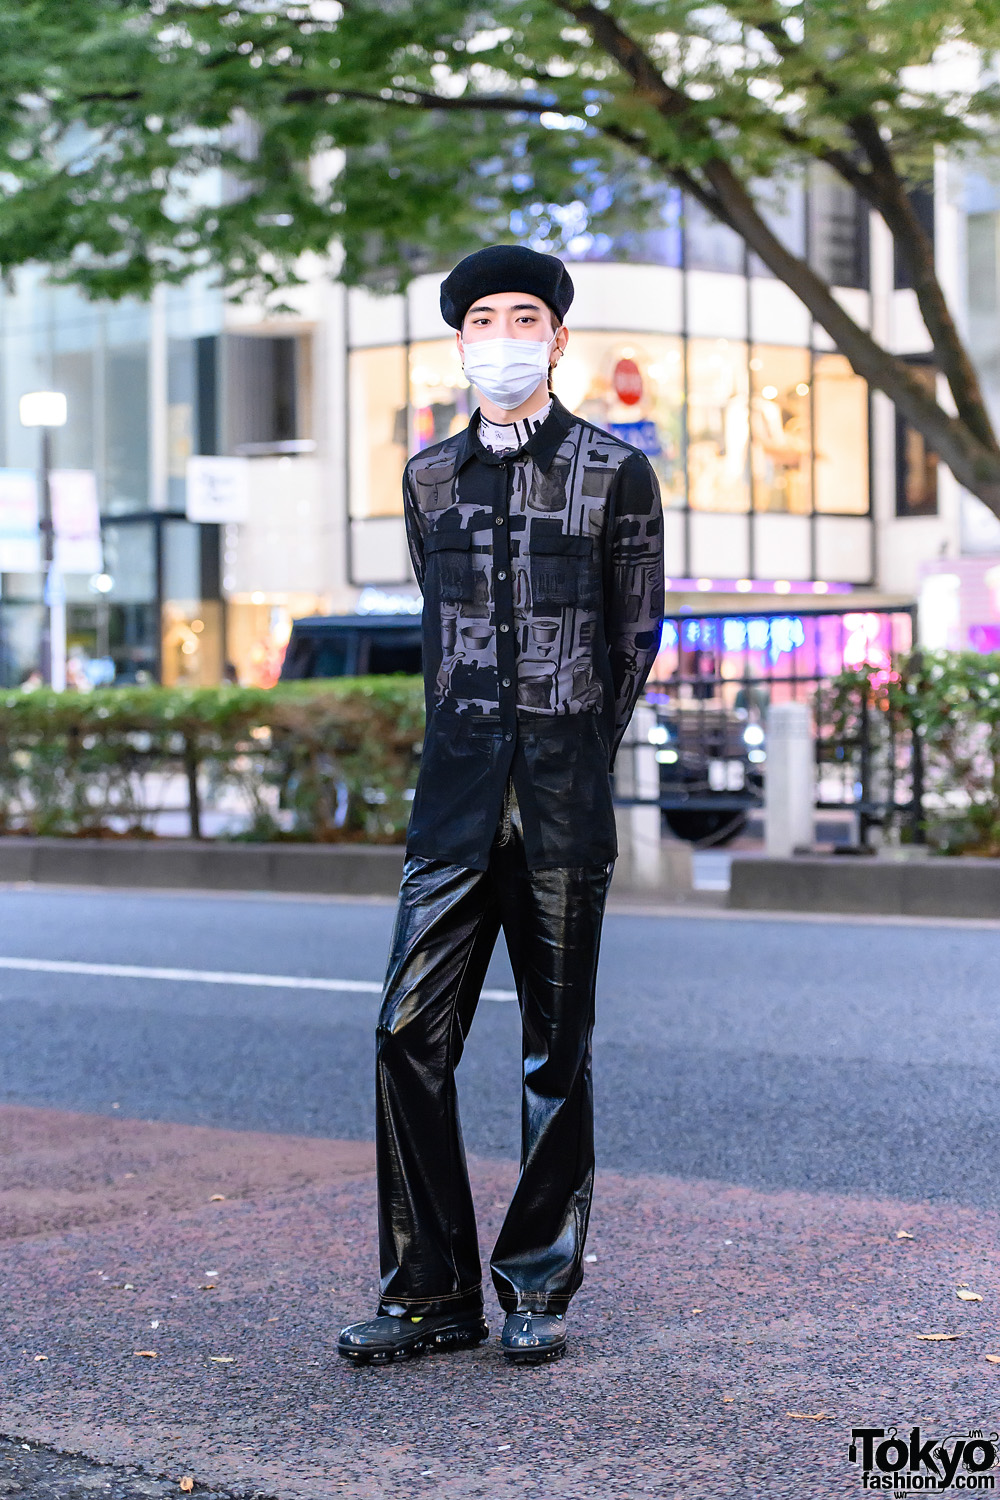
{"x": 507, "y": 437}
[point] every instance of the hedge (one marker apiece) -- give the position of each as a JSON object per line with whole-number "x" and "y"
{"x": 948, "y": 701}
{"x": 338, "y": 757}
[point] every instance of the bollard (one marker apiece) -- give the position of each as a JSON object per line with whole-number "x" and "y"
{"x": 646, "y": 861}
{"x": 789, "y": 779}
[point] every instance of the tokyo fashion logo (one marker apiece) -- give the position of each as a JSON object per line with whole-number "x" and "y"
{"x": 918, "y": 1465}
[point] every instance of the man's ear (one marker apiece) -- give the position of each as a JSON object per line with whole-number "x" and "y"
{"x": 562, "y": 338}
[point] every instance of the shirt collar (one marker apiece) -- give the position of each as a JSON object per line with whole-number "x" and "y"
{"x": 543, "y": 445}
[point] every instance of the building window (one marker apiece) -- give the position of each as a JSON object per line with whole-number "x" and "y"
{"x": 659, "y": 243}
{"x": 983, "y": 264}
{"x": 840, "y": 437}
{"x": 126, "y": 432}
{"x": 752, "y": 422}
{"x": 916, "y": 463}
{"x": 718, "y": 425}
{"x": 633, "y": 387}
{"x": 922, "y": 202}
{"x": 378, "y": 431}
{"x": 182, "y": 407}
{"x": 838, "y": 230}
{"x": 239, "y": 393}
{"x": 261, "y": 383}
{"x": 782, "y": 206}
{"x": 780, "y": 438}
{"x": 440, "y": 395}
{"x": 708, "y": 244}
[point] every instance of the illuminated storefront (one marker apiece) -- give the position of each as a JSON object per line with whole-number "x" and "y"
{"x": 761, "y": 447}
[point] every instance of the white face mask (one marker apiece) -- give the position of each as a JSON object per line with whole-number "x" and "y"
{"x": 506, "y": 370}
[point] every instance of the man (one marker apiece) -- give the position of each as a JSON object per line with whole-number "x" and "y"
{"x": 537, "y": 541}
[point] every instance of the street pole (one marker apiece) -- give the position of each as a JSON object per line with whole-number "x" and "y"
{"x": 54, "y": 619}
{"x": 47, "y": 409}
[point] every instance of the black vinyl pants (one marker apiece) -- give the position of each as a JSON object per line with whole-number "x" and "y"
{"x": 447, "y": 924}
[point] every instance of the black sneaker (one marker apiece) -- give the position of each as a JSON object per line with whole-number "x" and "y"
{"x": 386, "y": 1337}
{"x": 532, "y": 1338}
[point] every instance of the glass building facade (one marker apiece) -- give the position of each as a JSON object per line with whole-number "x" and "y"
{"x": 683, "y": 345}
{"x": 778, "y": 470}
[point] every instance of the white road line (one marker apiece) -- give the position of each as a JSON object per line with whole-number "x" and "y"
{"x": 212, "y": 976}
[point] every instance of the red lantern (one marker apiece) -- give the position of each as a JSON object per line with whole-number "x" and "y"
{"x": 627, "y": 382}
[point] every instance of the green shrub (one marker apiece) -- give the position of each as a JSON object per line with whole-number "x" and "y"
{"x": 338, "y": 755}
{"x": 950, "y": 702}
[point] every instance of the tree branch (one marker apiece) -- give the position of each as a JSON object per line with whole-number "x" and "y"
{"x": 883, "y": 188}
{"x": 973, "y": 457}
{"x": 503, "y": 103}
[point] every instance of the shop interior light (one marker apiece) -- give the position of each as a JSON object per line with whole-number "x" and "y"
{"x": 821, "y": 587}
{"x": 753, "y": 735}
{"x": 769, "y": 392}
{"x": 704, "y": 585}
{"x": 658, "y": 735}
{"x": 42, "y": 409}
{"x": 572, "y": 376}
{"x": 102, "y": 583}
{"x": 257, "y": 597}
{"x": 801, "y": 389}
{"x": 743, "y": 586}
{"x": 782, "y": 586}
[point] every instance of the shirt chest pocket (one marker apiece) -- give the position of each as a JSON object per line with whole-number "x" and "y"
{"x": 449, "y": 559}
{"x": 563, "y": 572}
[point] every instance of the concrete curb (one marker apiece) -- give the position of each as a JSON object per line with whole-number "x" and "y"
{"x": 929, "y": 887}
{"x": 304, "y": 869}
{"x": 326, "y": 869}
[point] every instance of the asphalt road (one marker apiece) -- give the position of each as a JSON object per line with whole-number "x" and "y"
{"x": 842, "y": 1057}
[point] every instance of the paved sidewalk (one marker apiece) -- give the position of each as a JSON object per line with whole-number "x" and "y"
{"x": 724, "y": 1344}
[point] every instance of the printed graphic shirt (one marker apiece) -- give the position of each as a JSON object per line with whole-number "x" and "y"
{"x": 506, "y": 437}
{"x": 542, "y": 574}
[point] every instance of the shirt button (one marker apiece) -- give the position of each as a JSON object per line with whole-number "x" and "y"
{"x": 505, "y": 628}
{"x": 505, "y": 682}
{"x": 498, "y": 520}
{"x": 508, "y": 736}
{"x": 501, "y": 576}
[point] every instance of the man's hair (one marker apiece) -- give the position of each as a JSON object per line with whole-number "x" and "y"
{"x": 556, "y": 325}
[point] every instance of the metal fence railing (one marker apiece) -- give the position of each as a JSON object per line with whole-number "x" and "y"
{"x": 705, "y": 719}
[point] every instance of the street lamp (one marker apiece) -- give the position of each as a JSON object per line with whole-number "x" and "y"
{"x": 101, "y": 584}
{"x": 47, "y": 409}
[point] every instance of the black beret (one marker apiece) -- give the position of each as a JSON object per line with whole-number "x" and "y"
{"x": 505, "y": 268}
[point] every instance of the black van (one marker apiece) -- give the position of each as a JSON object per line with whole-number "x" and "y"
{"x": 352, "y": 646}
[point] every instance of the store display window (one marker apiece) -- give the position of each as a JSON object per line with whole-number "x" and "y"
{"x": 440, "y": 403}
{"x": 780, "y": 437}
{"x": 916, "y": 463}
{"x": 840, "y": 437}
{"x": 718, "y": 425}
{"x": 754, "y": 416}
{"x": 378, "y": 431}
{"x": 633, "y": 388}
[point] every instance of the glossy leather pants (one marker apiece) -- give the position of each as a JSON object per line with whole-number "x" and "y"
{"x": 447, "y": 924}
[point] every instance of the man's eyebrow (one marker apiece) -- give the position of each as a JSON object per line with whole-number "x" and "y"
{"x": 516, "y": 307}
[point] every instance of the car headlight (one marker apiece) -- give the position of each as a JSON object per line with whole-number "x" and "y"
{"x": 753, "y": 735}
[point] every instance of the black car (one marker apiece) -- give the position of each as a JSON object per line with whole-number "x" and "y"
{"x": 352, "y": 646}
